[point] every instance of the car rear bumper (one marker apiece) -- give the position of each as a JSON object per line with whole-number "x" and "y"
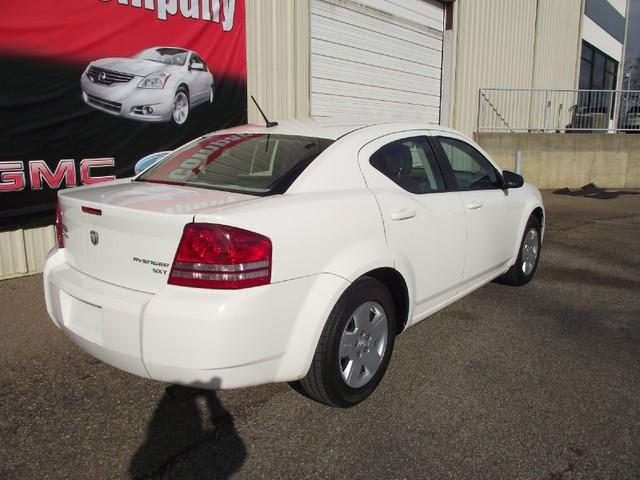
{"x": 191, "y": 336}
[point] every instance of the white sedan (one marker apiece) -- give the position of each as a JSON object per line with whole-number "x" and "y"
{"x": 290, "y": 253}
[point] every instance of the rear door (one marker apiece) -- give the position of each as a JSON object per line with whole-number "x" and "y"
{"x": 492, "y": 215}
{"x": 424, "y": 223}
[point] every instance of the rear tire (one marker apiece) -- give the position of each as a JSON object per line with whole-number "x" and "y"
{"x": 355, "y": 346}
{"x": 524, "y": 269}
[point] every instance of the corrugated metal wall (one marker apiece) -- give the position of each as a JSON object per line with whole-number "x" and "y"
{"x": 557, "y": 53}
{"x": 278, "y": 36}
{"x": 557, "y": 44}
{"x": 24, "y": 251}
{"x": 496, "y": 43}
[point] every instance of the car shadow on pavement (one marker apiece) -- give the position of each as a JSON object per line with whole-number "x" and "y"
{"x": 191, "y": 435}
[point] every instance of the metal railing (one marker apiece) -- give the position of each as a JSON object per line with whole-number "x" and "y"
{"x": 540, "y": 110}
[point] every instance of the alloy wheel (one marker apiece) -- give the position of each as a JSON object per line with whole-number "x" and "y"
{"x": 363, "y": 344}
{"x": 180, "y": 108}
{"x": 530, "y": 248}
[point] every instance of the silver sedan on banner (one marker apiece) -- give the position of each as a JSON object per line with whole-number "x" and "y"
{"x": 160, "y": 84}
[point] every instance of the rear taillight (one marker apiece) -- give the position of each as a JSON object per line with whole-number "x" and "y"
{"x": 59, "y": 227}
{"x": 218, "y": 256}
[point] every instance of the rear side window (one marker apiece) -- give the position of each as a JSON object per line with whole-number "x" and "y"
{"x": 411, "y": 164}
{"x": 471, "y": 169}
{"x": 256, "y": 164}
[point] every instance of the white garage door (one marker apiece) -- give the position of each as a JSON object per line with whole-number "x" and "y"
{"x": 376, "y": 60}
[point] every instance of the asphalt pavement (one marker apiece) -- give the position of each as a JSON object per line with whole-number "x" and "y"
{"x": 536, "y": 382}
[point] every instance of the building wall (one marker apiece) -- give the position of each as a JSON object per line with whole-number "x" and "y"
{"x": 556, "y": 60}
{"x": 494, "y": 48}
{"x": 24, "y": 251}
{"x": 511, "y": 44}
{"x": 557, "y": 48}
{"x": 278, "y": 65}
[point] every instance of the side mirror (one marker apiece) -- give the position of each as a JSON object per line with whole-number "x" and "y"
{"x": 511, "y": 180}
{"x": 196, "y": 66}
{"x": 148, "y": 161}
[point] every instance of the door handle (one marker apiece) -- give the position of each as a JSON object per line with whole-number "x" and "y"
{"x": 475, "y": 205}
{"x": 403, "y": 214}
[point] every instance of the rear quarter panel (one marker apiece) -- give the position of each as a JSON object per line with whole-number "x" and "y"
{"x": 339, "y": 233}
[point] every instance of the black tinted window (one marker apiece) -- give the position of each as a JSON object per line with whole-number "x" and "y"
{"x": 257, "y": 164}
{"x": 471, "y": 169}
{"x": 411, "y": 164}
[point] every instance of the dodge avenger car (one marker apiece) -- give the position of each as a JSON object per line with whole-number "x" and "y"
{"x": 294, "y": 253}
{"x": 159, "y": 84}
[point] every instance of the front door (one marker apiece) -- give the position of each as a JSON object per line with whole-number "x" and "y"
{"x": 424, "y": 223}
{"x": 492, "y": 216}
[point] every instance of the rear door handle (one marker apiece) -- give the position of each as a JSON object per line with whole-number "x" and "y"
{"x": 475, "y": 205}
{"x": 403, "y": 214}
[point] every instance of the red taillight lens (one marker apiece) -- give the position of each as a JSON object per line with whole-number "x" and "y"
{"x": 218, "y": 256}
{"x": 59, "y": 227}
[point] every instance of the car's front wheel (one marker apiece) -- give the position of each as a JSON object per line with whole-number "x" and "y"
{"x": 525, "y": 267}
{"x": 355, "y": 346}
{"x": 180, "y": 106}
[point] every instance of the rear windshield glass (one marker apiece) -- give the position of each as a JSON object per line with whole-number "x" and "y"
{"x": 257, "y": 164}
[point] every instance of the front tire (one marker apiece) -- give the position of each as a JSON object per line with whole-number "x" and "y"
{"x": 524, "y": 269}
{"x": 355, "y": 346}
{"x": 181, "y": 106}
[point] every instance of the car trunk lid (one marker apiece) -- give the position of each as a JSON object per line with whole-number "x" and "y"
{"x": 126, "y": 233}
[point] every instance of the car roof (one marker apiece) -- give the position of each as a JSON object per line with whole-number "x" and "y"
{"x": 321, "y": 128}
{"x": 308, "y": 127}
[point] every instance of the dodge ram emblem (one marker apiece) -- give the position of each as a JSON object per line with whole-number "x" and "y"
{"x": 95, "y": 238}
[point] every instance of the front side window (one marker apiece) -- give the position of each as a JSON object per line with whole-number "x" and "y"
{"x": 411, "y": 164}
{"x": 197, "y": 59}
{"x": 470, "y": 168}
{"x": 255, "y": 164}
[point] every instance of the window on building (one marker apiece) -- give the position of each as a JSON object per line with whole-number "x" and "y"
{"x": 597, "y": 72}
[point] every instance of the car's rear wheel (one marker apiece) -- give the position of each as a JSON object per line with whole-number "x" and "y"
{"x": 526, "y": 265}
{"x": 180, "y": 106}
{"x": 355, "y": 346}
